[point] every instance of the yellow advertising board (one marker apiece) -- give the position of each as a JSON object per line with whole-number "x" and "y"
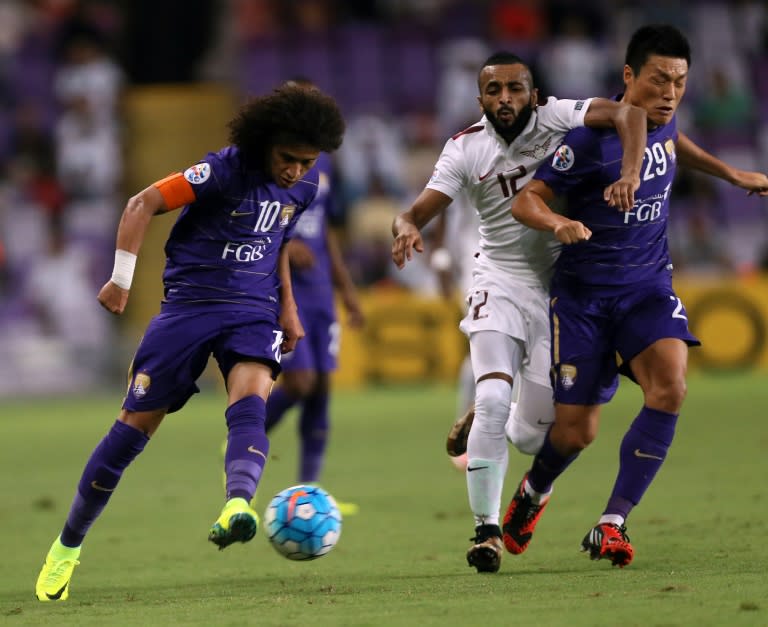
{"x": 413, "y": 339}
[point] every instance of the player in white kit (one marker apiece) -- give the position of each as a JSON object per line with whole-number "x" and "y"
{"x": 507, "y": 318}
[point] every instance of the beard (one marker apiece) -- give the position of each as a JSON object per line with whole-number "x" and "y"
{"x": 510, "y": 131}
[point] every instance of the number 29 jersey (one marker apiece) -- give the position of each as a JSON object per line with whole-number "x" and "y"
{"x": 479, "y": 161}
{"x": 627, "y": 249}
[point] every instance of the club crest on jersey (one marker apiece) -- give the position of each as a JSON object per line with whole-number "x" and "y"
{"x": 564, "y": 158}
{"x": 286, "y": 213}
{"x": 141, "y": 383}
{"x": 568, "y": 376}
{"x": 539, "y": 151}
{"x": 669, "y": 146}
{"x": 197, "y": 174}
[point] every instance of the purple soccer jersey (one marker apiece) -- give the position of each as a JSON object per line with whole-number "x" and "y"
{"x": 224, "y": 247}
{"x": 313, "y": 286}
{"x": 221, "y": 281}
{"x": 613, "y": 293}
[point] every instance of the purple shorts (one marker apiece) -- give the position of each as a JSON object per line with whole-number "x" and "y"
{"x": 176, "y": 346}
{"x": 591, "y": 336}
{"x": 319, "y": 348}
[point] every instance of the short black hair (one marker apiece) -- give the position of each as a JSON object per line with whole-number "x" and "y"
{"x": 291, "y": 115}
{"x": 661, "y": 39}
{"x": 504, "y": 58}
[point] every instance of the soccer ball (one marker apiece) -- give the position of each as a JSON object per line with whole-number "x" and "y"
{"x": 303, "y": 522}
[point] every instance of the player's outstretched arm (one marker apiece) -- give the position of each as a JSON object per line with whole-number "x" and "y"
{"x": 139, "y": 210}
{"x": 530, "y": 207}
{"x": 631, "y": 124}
{"x": 407, "y": 226}
{"x": 691, "y": 155}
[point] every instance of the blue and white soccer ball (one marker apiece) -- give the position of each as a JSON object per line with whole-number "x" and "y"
{"x": 303, "y": 522}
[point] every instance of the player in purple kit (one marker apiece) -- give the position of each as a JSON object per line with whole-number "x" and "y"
{"x": 227, "y": 293}
{"x": 317, "y": 269}
{"x": 611, "y": 293}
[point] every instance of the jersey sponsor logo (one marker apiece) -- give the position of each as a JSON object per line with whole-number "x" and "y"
{"x": 198, "y": 174}
{"x": 579, "y": 105}
{"x": 435, "y": 173}
{"x": 141, "y": 385}
{"x": 286, "y": 213}
{"x": 539, "y": 151}
{"x": 568, "y": 374}
{"x": 647, "y": 209}
{"x": 243, "y": 253}
{"x": 564, "y": 158}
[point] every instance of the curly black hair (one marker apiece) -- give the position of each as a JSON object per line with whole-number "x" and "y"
{"x": 292, "y": 116}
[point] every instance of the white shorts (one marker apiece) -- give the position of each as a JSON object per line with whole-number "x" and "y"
{"x": 497, "y": 303}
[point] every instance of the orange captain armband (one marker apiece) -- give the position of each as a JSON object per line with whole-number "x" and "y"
{"x": 175, "y": 190}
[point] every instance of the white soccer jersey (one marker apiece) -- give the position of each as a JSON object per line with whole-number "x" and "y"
{"x": 479, "y": 161}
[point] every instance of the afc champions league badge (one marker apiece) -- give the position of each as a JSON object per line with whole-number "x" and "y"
{"x": 563, "y": 158}
{"x": 568, "y": 376}
{"x": 199, "y": 173}
{"x": 141, "y": 383}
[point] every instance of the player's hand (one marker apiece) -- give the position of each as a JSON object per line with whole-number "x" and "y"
{"x": 406, "y": 241}
{"x": 621, "y": 194}
{"x": 572, "y": 232}
{"x": 355, "y": 315}
{"x": 293, "y": 330}
{"x": 300, "y": 255}
{"x": 113, "y": 298}
{"x": 753, "y": 182}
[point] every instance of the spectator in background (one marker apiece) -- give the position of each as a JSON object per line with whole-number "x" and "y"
{"x": 573, "y": 60}
{"x": 726, "y": 106}
{"x": 59, "y": 287}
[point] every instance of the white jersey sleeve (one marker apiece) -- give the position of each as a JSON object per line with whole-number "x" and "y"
{"x": 562, "y": 115}
{"x": 450, "y": 173}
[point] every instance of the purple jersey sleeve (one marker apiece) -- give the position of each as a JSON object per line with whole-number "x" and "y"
{"x": 626, "y": 248}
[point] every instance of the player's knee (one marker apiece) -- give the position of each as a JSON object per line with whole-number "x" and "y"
{"x": 492, "y": 399}
{"x": 299, "y": 384}
{"x": 668, "y": 396}
{"x": 524, "y": 437}
{"x": 573, "y": 439}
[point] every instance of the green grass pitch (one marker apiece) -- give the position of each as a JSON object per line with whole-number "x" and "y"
{"x": 700, "y": 535}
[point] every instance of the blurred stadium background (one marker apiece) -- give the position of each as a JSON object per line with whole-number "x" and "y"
{"x": 100, "y": 98}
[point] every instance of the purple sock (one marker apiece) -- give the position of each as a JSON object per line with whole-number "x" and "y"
{"x": 547, "y": 466}
{"x": 247, "y": 446}
{"x": 642, "y": 453}
{"x": 313, "y": 431}
{"x": 100, "y": 478}
{"x": 277, "y": 404}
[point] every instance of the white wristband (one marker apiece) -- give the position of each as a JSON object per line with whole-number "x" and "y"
{"x": 440, "y": 260}
{"x": 122, "y": 273}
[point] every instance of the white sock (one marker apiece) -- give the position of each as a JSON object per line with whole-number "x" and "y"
{"x": 485, "y": 480}
{"x": 536, "y": 497}
{"x": 614, "y": 519}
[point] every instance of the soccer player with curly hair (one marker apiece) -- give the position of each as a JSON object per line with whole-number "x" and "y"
{"x": 227, "y": 293}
